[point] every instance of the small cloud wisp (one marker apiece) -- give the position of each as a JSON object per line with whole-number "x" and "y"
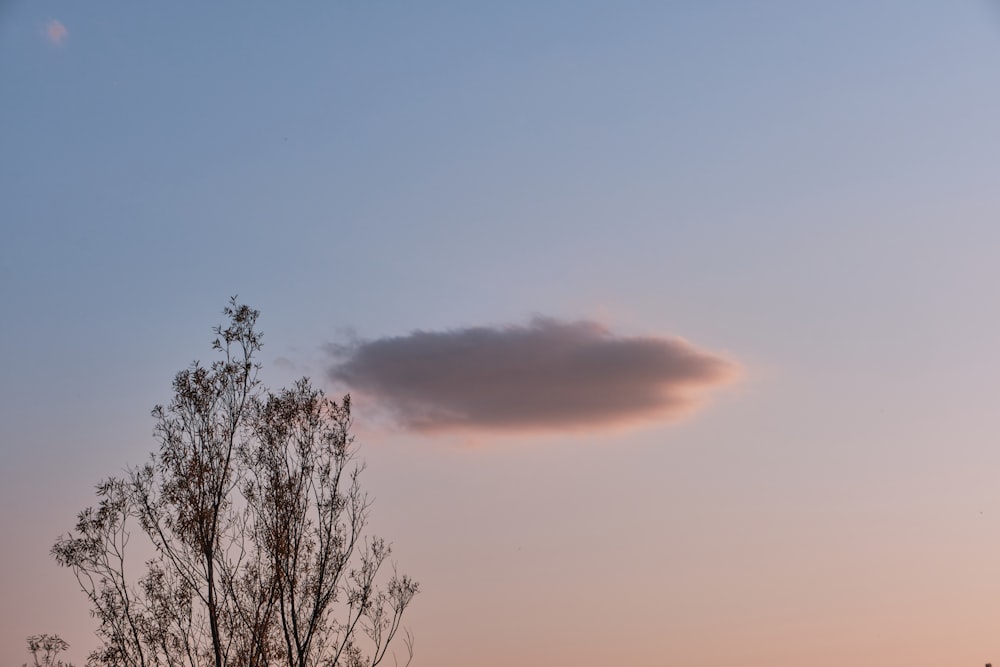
{"x": 56, "y": 32}
{"x": 546, "y": 376}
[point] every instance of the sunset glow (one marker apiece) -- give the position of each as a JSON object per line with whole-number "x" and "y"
{"x": 670, "y": 328}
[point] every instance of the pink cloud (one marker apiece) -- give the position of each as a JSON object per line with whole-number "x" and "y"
{"x": 545, "y": 376}
{"x": 56, "y": 32}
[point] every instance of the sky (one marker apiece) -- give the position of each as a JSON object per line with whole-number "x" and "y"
{"x": 671, "y": 327}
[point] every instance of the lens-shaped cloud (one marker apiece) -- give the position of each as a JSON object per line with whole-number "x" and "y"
{"x": 548, "y": 375}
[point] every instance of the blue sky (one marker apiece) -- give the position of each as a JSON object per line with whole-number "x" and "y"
{"x": 809, "y": 190}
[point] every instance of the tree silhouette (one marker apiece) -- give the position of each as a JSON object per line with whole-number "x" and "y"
{"x": 45, "y": 649}
{"x": 254, "y": 523}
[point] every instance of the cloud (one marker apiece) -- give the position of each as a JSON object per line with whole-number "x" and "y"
{"x": 546, "y": 376}
{"x": 56, "y": 32}
{"x": 284, "y": 363}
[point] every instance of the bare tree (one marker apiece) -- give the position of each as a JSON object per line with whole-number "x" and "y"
{"x": 254, "y": 522}
{"x": 45, "y": 649}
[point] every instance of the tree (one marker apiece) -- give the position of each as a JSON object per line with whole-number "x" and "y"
{"x": 45, "y": 649}
{"x": 254, "y": 522}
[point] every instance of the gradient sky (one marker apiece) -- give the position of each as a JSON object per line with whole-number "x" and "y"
{"x": 809, "y": 191}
